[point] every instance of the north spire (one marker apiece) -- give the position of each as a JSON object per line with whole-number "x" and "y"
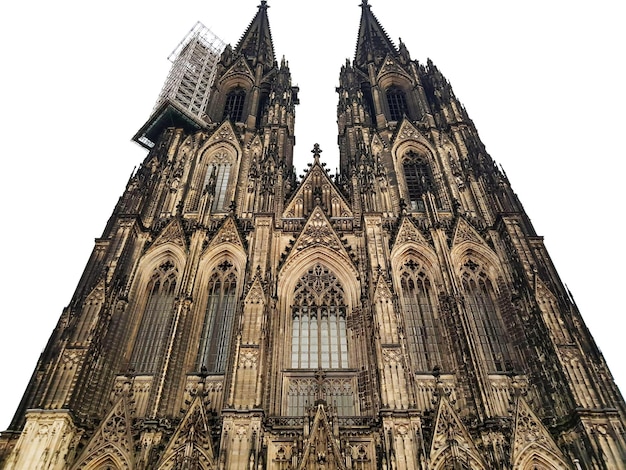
{"x": 256, "y": 43}
{"x": 373, "y": 41}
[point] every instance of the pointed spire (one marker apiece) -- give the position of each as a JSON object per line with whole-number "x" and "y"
{"x": 373, "y": 41}
{"x": 256, "y": 43}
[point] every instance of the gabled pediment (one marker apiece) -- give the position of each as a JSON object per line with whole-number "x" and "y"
{"x": 224, "y": 133}
{"x": 239, "y": 67}
{"x": 173, "y": 233}
{"x": 377, "y": 144}
{"x": 113, "y": 440}
{"x": 408, "y": 131}
{"x": 532, "y": 441}
{"x": 303, "y": 200}
{"x": 409, "y": 233}
{"x": 256, "y": 293}
{"x": 450, "y": 437}
{"x": 383, "y": 290}
{"x": 227, "y": 233}
{"x": 465, "y": 232}
{"x": 193, "y": 437}
{"x": 322, "y": 449}
{"x": 392, "y": 66}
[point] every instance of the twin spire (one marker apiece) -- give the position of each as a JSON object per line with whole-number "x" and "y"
{"x": 257, "y": 46}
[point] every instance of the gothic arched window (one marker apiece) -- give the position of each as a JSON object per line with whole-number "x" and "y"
{"x": 319, "y": 334}
{"x": 397, "y": 103}
{"x": 419, "y": 310}
{"x": 481, "y": 303}
{"x": 219, "y": 319}
{"x": 155, "y": 323}
{"x": 217, "y": 176}
{"x": 418, "y": 177}
{"x": 233, "y": 108}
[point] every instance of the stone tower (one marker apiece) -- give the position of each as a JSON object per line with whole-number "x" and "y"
{"x": 401, "y": 314}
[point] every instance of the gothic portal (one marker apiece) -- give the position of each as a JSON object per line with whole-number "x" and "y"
{"x": 401, "y": 314}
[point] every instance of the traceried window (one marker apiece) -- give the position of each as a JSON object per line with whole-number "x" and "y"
{"x": 156, "y": 320}
{"x": 419, "y": 313}
{"x": 481, "y": 303}
{"x": 233, "y": 109}
{"x": 219, "y": 319}
{"x": 396, "y": 101}
{"x": 319, "y": 338}
{"x": 217, "y": 176}
{"x": 419, "y": 179}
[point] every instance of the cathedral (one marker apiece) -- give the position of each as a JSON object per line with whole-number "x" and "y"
{"x": 400, "y": 314}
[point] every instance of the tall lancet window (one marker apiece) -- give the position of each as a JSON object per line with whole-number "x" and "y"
{"x": 319, "y": 333}
{"x": 419, "y": 179}
{"x": 219, "y": 319}
{"x": 482, "y": 306}
{"x": 420, "y": 318}
{"x": 396, "y": 102}
{"x": 233, "y": 109}
{"x": 156, "y": 320}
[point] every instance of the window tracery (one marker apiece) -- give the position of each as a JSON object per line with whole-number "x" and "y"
{"x": 419, "y": 306}
{"x": 319, "y": 337}
{"x": 397, "y": 103}
{"x": 418, "y": 177}
{"x": 155, "y": 323}
{"x": 481, "y": 303}
{"x": 233, "y": 109}
{"x": 219, "y": 319}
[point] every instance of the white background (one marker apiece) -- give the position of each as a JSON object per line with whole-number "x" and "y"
{"x": 543, "y": 81}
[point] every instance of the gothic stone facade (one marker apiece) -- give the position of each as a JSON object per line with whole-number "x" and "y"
{"x": 402, "y": 314}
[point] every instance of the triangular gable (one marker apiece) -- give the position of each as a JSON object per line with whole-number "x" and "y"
{"x": 318, "y": 232}
{"x": 377, "y": 144}
{"x": 239, "y": 67}
{"x": 256, "y": 293}
{"x": 409, "y": 233}
{"x": 172, "y": 233}
{"x": 227, "y": 233}
{"x": 315, "y": 178}
{"x": 113, "y": 438}
{"x": 531, "y": 439}
{"x": 407, "y": 131}
{"x": 383, "y": 290}
{"x": 464, "y": 232}
{"x": 449, "y": 432}
{"x": 224, "y": 133}
{"x": 322, "y": 449}
{"x": 391, "y": 65}
{"x": 193, "y": 435}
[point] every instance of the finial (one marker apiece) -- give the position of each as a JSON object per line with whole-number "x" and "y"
{"x": 316, "y": 152}
{"x": 263, "y": 5}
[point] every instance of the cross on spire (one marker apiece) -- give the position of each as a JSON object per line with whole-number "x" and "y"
{"x": 316, "y": 152}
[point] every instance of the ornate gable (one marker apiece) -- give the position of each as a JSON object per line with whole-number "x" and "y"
{"x": 112, "y": 440}
{"x": 409, "y": 233}
{"x": 392, "y": 66}
{"x": 224, "y": 133}
{"x": 322, "y": 449}
{"x": 464, "y": 232}
{"x": 383, "y": 290}
{"x": 451, "y": 438}
{"x": 531, "y": 440}
{"x": 172, "y": 233}
{"x": 239, "y": 67}
{"x": 192, "y": 440}
{"x": 256, "y": 293}
{"x": 228, "y": 233}
{"x": 317, "y": 185}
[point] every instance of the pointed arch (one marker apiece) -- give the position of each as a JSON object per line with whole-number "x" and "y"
{"x": 478, "y": 282}
{"x": 217, "y": 290}
{"x": 153, "y": 295}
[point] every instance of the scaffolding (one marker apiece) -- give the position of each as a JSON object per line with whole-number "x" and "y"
{"x": 185, "y": 93}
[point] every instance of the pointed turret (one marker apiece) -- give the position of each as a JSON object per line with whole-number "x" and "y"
{"x": 256, "y": 43}
{"x": 373, "y": 41}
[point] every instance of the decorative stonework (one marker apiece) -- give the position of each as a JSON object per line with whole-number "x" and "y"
{"x": 466, "y": 233}
{"x": 227, "y": 233}
{"x": 409, "y": 233}
{"x": 172, "y": 233}
{"x": 318, "y": 231}
{"x": 248, "y": 358}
